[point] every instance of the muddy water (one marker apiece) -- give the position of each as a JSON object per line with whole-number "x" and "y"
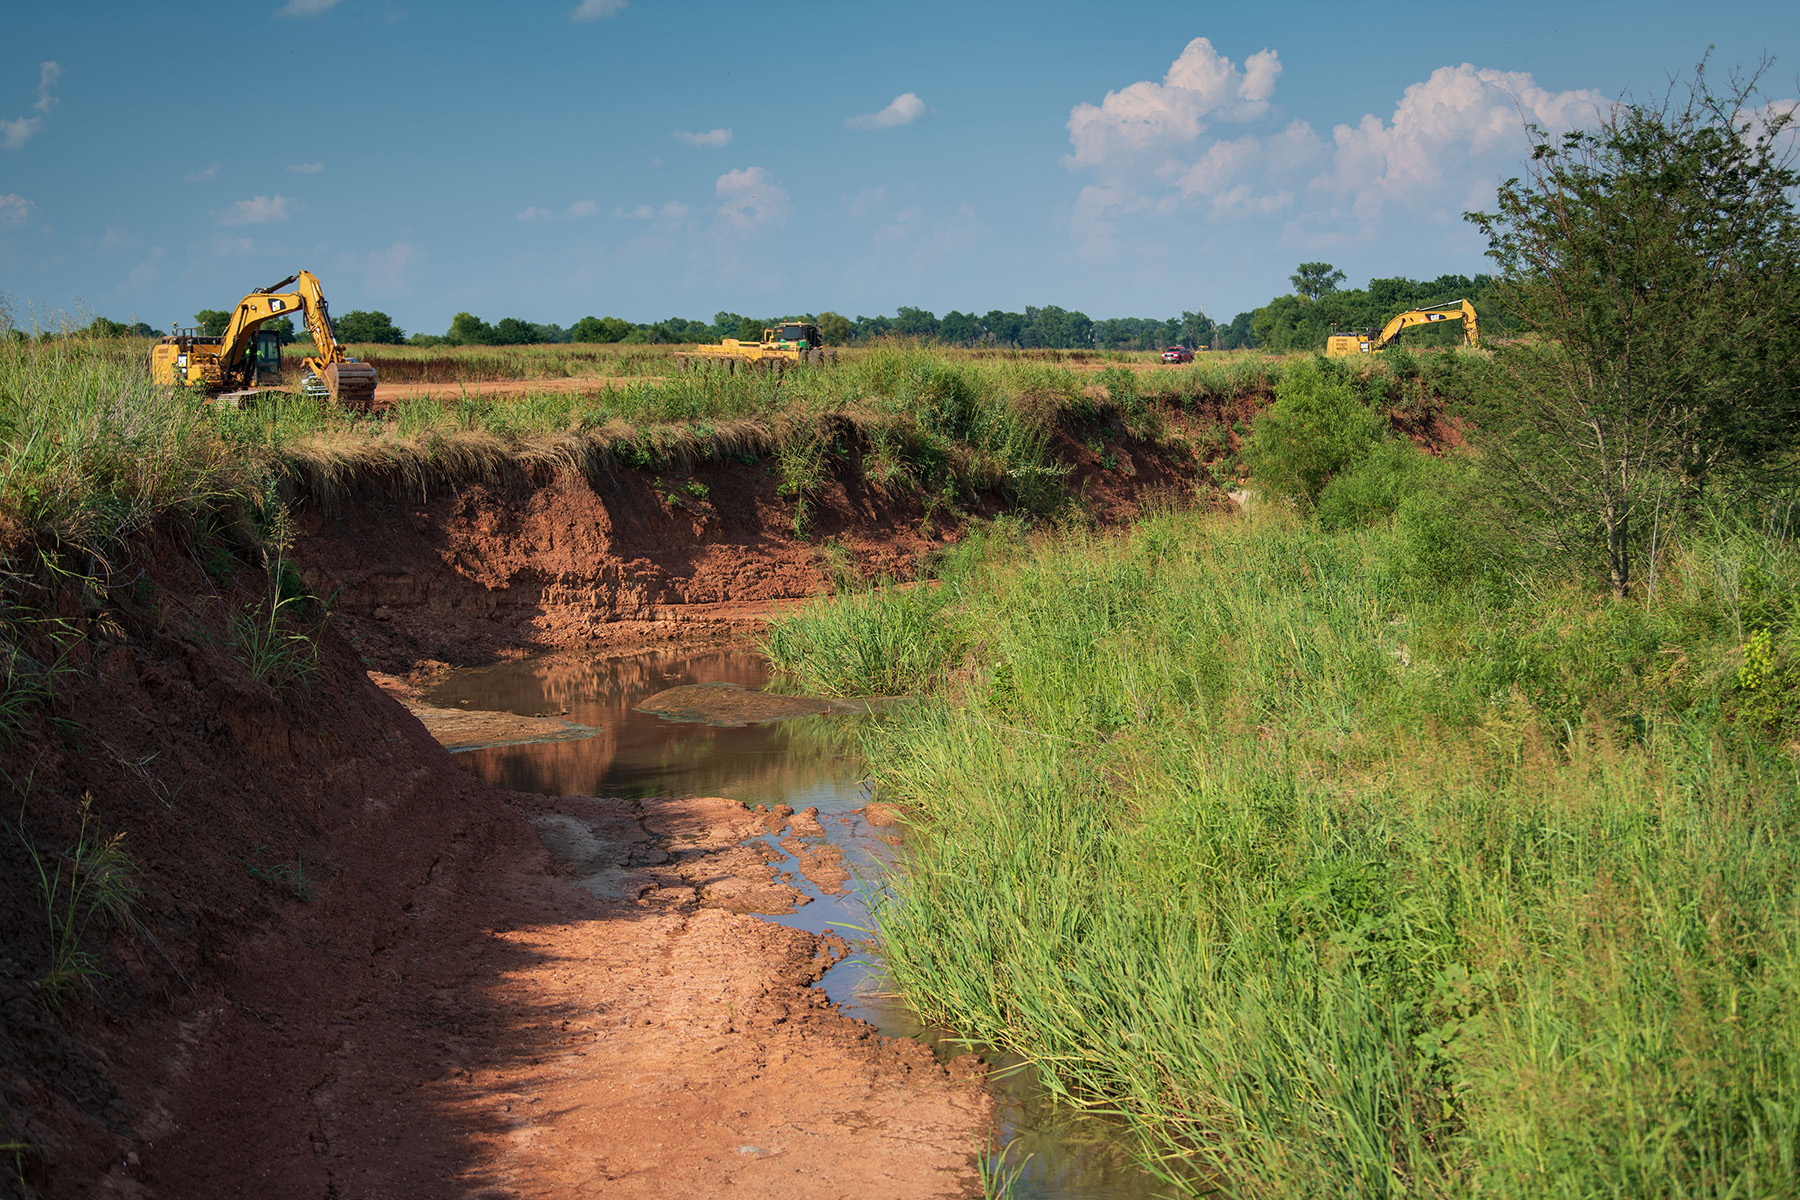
{"x": 805, "y": 762}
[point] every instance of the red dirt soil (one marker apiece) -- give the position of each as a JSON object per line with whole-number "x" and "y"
{"x": 354, "y": 970}
{"x": 450, "y": 1014}
{"x": 635, "y": 558}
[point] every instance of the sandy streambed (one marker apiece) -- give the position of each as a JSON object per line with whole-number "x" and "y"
{"x": 676, "y": 1046}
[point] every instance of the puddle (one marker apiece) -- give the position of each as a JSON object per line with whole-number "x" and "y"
{"x": 807, "y": 761}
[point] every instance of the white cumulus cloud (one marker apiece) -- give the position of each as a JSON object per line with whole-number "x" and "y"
{"x": 203, "y": 175}
{"x": 1449, "y": 134}
{"x": 904, "y": 109}
{"x": 15, "y": 209}
{"x": 593, "y": 10}
{"x": 866, "y": 201}
{"x": 749, "y": 197}
{"x": 1760, "y": 123}
{"x": 17, "y": 132}
{"x": 712, "y": 139}
{"x": 582, "y": 208}
{"x": 536, "y": 214}
{"x": 1201, "y": 85}
{"x": 259, "y": 210}
{"x": 674, "y": 210}
{"x": 312, "y": 168}
{"x": 1153, "y": 148}
{"x": 305, "y": 8}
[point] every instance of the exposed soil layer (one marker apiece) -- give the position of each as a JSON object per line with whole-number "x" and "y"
{"x": 354, "y": 970}
{"x": 636, "y": 557}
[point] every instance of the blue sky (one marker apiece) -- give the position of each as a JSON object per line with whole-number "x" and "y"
{"x": 651, "y": 159}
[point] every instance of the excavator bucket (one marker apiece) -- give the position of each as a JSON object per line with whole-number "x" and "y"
{"x": 351, "y": 385}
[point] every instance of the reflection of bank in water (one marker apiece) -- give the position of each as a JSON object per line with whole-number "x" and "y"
{"x": 803, "y": 762}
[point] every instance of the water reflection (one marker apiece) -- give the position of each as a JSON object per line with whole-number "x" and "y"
{"x": 804, "y": 762}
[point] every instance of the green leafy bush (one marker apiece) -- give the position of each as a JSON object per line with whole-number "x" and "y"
{"x": 1374, "y": 488}
{"x": 1317, "y": 429}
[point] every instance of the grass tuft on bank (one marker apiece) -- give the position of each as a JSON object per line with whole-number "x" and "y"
{"x": 1338, "y": 864}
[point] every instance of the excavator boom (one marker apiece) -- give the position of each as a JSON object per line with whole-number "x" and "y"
{"x": 1369, "y": 342}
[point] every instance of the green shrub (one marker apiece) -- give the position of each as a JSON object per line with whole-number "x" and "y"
{"x": 1317, "y": 429}
{"x": 1373, "y": 489}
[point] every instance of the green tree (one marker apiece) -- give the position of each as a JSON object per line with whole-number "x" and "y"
{"x": 360, "y": 326}
{"x": 915, "y": 322}
{"x": 511, "y": 331}
{"x": 212, "y": 321}
{"x": 1657, "y": 259}
{"x": 467, "y": 329}
{"x": 1004, "y": 326}
{"x": 836, "y": 328}
{"x": 1196, "y": 330}
{"x": 1240, "y": 334}
{"x": 600, "y": 329}
{"x": 961, "y": 328}
{"x": 1290, "y": 323}
{"x": 1314, "y": 279}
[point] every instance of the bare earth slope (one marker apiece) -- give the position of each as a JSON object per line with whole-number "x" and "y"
{"x": 356, "y": 971}
{"x": 482, "y": 569}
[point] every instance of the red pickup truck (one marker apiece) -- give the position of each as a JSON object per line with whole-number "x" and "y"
{"x": 1178, "y": 354}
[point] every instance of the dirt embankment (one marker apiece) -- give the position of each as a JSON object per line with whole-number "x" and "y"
{"x": 354, "y": 970}
{"x": 644, "y": 556}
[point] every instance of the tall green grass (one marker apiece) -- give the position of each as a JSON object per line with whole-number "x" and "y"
{"x": 1336, "y": 880}
{"x": 90, "y": 451}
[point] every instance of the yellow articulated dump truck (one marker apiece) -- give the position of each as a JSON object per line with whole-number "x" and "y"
{"x": 247, "y": 358}
{"x": 793, "y": 343}
{"x": 1368, "y": 341}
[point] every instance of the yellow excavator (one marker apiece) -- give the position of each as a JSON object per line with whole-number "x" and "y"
{"x": 1368, "y": 341}
{"x": 793, "y": 343}
{"x": 248, "y": 358}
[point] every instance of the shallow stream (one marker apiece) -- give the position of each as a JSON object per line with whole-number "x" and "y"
{"x": 804, "y": 762}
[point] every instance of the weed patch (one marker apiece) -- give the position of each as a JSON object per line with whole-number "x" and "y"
{"x": 94, "y": 878}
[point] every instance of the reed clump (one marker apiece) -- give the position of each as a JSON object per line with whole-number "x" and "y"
{"x": 1336, "y": 875}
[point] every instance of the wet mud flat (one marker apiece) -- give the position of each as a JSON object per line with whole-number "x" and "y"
{"x": 726, "y": 799}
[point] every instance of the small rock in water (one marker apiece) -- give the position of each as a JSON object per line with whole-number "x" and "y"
{"x": 877, "y": 813}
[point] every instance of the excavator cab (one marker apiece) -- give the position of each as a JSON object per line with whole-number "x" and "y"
{"x": 268, "y": 357}
{"x": 797, "y": 334}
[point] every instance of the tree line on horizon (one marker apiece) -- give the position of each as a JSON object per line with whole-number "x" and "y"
{"x": 1298, "y": 320}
